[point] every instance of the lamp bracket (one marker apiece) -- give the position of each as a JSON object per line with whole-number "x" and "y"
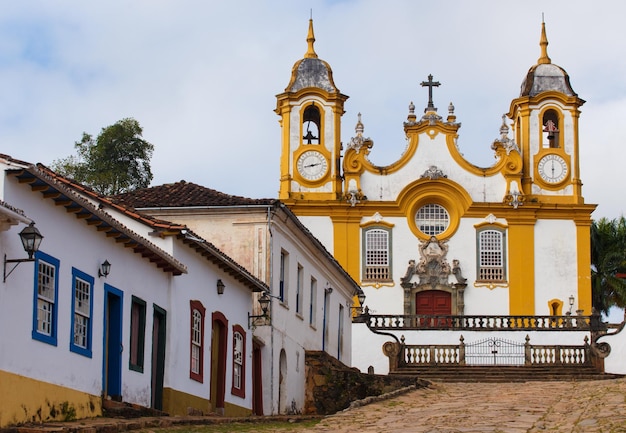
{"x": 254, "y": 317}
{"x": 17, "y": 262}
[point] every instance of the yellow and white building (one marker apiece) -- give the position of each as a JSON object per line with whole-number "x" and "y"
{"x": 432, "y": 233}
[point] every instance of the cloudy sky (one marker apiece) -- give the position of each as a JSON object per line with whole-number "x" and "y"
{"x": 201, "y": 77}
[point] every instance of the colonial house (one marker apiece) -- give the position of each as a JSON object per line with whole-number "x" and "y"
{"x": 310, "y": 297}
{"x": 114, "y": 305}
{"x": 436, "y": 242}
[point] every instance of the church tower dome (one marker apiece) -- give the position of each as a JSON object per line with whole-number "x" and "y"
{"x": 545, "y": 75}
{"x": 311, "y": 71}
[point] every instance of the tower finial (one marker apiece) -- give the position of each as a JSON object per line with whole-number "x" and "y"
{"x": 544, "y": 45}
{"x": 310, "y": 52}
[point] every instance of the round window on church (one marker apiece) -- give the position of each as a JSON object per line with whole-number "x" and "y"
{"x": 432, "y": 219}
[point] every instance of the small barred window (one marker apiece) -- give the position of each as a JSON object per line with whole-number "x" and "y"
{"x": 377, "y": 255}
{"x": 432, "y": 219}
{"x": 491, "y": 256}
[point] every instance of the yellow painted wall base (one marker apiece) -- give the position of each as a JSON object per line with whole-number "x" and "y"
{"x": 25, "y": 400}
{"x": 180, "y": 403}
{"x": 234, "y": 410}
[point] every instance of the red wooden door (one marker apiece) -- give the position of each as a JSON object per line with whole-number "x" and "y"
{"x": 433, "y": 303}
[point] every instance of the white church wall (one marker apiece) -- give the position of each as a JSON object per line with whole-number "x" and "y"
{"x": 429, "y": 153}
{"x": 556, "y": 272}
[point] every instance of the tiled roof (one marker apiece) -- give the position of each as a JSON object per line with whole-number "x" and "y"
{"x": 55, "y": 187}
{"x": 183, "y": 194}
{"x": 69, "y": 193}
{"x": 188, "y": 195}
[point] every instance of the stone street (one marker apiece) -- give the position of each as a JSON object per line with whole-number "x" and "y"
{"x": 531, "y": 407}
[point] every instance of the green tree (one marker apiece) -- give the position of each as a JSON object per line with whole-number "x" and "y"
{"x": 117, "y": 161}
{"x": 608, "y": 260}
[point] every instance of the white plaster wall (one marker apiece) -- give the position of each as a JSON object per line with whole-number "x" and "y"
{"x": 432, "y": 152}
{"x": 77, "y": 245}
{"x": 556, "y": 266}
{"x": 290, "y": 330}
{"x": 200, "y": 284}
{"x": 321, "y": 228}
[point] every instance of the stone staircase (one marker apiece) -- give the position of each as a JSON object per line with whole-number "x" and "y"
{"x": 504, "y": 373}
{"x": 119, "y": 409}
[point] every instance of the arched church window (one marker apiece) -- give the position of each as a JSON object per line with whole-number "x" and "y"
{"x": 550, "y": 129}
{"x": 432, "y": 219}
{"x": 491, "y": 255}
{"x": 311, "y": 125}
{"x": 377, "y": 254}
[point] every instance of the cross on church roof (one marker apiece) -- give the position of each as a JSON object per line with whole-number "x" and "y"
{"x": 430, "y": 84}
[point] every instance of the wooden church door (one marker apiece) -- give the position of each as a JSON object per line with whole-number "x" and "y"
{"x": 433, "y": 303}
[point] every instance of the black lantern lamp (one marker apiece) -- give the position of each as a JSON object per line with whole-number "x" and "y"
{"x": 31, "y": 240}
{"x": 264, "y": 302}
{"x": 571, "y": 304}
{"x": 105, "y": 269}
{"x": 220, "y": 287}
{"x": 358, "y": 309}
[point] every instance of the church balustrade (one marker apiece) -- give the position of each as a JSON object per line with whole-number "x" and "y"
{"x": 490, "y": 351}
{"x": 387, "y": 322}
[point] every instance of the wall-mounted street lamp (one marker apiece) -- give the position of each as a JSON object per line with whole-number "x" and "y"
{"x": 105, "y": 269}
{"x": 220, "y": 287}
{"x": 264, "y": 302}
{"x": 571, "y": 304}
{"x": 31, "y": 239}
{"x": 359, "y": 308}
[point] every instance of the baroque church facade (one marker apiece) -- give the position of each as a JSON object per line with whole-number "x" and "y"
{"x": 431, "y": 233}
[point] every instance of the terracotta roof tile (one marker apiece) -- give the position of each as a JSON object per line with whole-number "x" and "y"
{"x": 183, "y": 194}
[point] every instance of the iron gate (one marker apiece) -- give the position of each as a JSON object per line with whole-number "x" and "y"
{"x": 494, "y": 351}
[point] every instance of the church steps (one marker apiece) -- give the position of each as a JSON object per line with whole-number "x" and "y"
{"x": 504, "y": 373}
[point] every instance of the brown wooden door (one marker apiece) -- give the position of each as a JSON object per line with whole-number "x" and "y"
{"x": 433, "y": 303}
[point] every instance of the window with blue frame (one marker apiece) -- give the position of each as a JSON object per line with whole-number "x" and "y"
{"x": 45, "y": 298}
{"x": 82, "y": 309}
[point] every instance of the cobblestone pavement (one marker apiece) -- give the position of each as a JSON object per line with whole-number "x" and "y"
{"x": 531, "y": 407}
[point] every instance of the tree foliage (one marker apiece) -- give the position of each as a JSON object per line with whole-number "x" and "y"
{"x": 608, "y": 260}
{"x": 117, "y": 161}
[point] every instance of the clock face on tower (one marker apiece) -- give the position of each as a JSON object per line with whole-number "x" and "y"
{"x": 552, "y": 168}
{"x": 312, "y": 165}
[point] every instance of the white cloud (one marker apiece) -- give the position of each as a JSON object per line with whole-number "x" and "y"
{"x": 201, "y": 77}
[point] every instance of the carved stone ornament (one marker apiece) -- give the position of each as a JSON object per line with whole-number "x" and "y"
{"x": 359, "y": 140}
{"x": 504, "y": 140}
{"x": 433, "y": 173}
{"x": 432, "y": 272}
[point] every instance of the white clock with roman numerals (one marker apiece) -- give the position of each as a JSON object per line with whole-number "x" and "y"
{"x": 312, "y": 165}
{"x": 552, "y": 168}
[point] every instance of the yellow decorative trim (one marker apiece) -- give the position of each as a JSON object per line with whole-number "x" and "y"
{"x": 443, "y": 192}
{"x": 583, "y": 246}
{"x": 482, "y": 224}
{"x": 377, "y": 223}
{"x": 490, "y": 285}
{"x": 552, "y": 151}
{"x": 347, "y": 238}
{"x": 559, "y": 307}
{"x": 378, "y": 284}
{"x": 521, "y": 234}
{"x": 306, "y": 148}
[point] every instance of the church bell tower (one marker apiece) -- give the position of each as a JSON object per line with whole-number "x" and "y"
{"x": 310, "y": 111}
{"x": 545, "y": 117}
